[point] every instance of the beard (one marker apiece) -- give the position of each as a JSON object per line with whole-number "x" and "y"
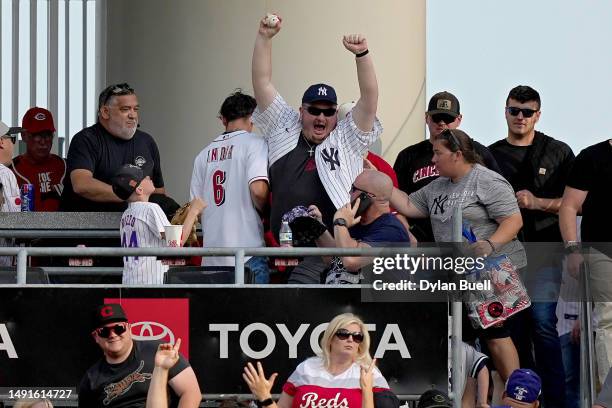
{"x": 122, "y": 132}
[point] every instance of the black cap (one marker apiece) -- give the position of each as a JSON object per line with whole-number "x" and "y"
{"x": 126, "y": 180}
{"x": 443, "y": 102}
{"x": 320, "y": 93}
{"x": 434, "y": 399}
{"x": 112, "y": 312}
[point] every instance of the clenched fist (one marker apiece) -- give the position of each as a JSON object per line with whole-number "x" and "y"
{"x": 355, "y": 43}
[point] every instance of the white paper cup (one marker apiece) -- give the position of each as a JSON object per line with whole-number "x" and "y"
{"x": 173, "y": 235}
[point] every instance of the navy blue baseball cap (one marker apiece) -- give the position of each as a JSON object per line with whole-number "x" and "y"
{"x": 126, "y": 180}
{"x": 320, "y": 93}
{"x": 523, "y": 385}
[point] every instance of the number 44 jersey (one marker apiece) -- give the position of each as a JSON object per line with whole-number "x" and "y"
{"x": 222, "y": 175}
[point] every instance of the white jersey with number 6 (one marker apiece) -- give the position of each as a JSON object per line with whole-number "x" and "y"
{"x": 222, "y": 174}
{"x": 142, "y": 224}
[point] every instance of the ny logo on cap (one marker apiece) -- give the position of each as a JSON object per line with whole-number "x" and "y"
{"x": 40, "y": 116}
{"x": 106, "y": 311}
{"x": 322, "y": 91}
{"x": 444, "y": 104}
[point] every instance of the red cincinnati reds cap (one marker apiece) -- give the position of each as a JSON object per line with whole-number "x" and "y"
{"x": 110, "y": 313}
{"x": 38, "y": 120}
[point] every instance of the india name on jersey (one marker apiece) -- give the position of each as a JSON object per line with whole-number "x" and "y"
{"x": 141, "y": 226}
{"x": 222, "y": 174}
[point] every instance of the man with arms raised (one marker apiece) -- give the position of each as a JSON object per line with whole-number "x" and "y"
{"x": 313, "y": 158}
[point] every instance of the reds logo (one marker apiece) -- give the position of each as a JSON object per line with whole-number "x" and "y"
{"x": 106, "y": 311}
{"x": 40, "y": 116}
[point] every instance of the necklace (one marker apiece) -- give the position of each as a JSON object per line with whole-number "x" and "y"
{"x": 310, "y": 147}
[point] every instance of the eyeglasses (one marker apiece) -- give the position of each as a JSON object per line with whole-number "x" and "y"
{"x": 353, "y": 189}
{"x": 514, "y": 111}
{"x": 317, "y": 111}
{"x": 438, "y": 117}
{"x": 12, "y": 138}
{"x": 105, "y": 331}
{"x": 115, "y": 90}
{"x": 344, "y": 334}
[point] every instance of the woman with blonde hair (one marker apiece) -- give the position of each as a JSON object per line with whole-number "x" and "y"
{"x": 342, "y": 375}
{"x": 33, "y": 403}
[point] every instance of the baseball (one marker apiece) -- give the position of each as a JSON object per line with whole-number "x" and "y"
{"x": 271, "y": 20}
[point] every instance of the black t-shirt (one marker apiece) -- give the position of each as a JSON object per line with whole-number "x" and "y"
{"x": 415, "y": 170}
{"x": 294, "y": 180}
{"x": 98, "y": 151}
{"x": 542, "y": 168}
{"x": 125, "y": 384}
{"x": 592, "y": 172}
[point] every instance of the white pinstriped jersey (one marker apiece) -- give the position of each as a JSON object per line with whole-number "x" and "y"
{"x": 339, "y": 158}
{"x": 222, "y": 174}
{"x": 141, "y": 226}
{"x": 10, "y": 202}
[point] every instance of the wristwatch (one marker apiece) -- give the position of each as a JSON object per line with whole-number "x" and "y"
{"x": 265, "y": 402}
{"x": 572, "y": 247}
{"x": 341, "y": 222}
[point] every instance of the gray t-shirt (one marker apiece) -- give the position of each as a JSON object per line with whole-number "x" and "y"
{"x": 483, "y": 196}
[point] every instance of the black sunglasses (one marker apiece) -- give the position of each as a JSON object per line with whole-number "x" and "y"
{"x": 514, "y": 111}
{"x": 105, "y": 332}
{"x": 12, "y": 138}
{"x": 317, "y": 111}
{"x": 442, "y": 117}
{"x": 115, "y": 90}
{"x": 353, "y": 189}
{"x": 344, "y": 334}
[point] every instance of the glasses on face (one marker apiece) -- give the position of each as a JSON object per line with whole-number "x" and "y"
{"x": 442, "y": 117}
{"x": 344, "y": 334}
{"x": 116, "y": 90}
{"x": 105, "y": 331}
{"x": 353, "y": 189}
{"x": 514, "y": 111}
{"x": 314, "y": 111}
{"x": 12, "y": 138}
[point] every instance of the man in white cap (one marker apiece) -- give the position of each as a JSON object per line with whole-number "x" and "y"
{"x": 10, "y": 199}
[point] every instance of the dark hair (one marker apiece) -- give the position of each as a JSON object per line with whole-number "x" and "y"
{"x": 524, "y": 93}
{"x": 114, "y": 90}
{"x": 457, "y": 140}
{"x": 238, "y": 105}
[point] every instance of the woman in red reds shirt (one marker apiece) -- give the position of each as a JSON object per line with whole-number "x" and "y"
{"x": 343, "y": 375}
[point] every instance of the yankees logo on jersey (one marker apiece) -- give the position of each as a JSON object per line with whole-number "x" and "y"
{"x": 141, "y": 226}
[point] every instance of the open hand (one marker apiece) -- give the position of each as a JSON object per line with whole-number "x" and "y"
{"x": 167, "y": 355}
{"x": 348, "y": 213}
{"x": 260, "y": 386}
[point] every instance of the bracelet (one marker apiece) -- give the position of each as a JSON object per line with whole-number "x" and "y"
{"x": 265, "y": 402}
{"x": 492, "y": 246}
{"x": 362, "y": 54}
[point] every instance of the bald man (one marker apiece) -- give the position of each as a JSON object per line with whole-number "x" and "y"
{"x": 363, "y": 223}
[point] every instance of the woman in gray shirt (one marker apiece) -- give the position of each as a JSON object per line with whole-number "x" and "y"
{"x": 488, "y": 204}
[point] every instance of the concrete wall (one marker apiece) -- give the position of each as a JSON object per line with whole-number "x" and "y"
{"x": 184, "y": 57}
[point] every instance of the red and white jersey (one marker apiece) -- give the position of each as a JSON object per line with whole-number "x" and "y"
{"x": 47, "y": 178}
{"x": 222, "y": 174}
{"x": 142, "y": 224}
{"x": 311, "y": 385}
{"x": 10, "y": 201}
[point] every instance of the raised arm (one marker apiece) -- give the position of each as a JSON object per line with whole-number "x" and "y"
{"x": 364, "y": 112}
{"x": 400, "y": 201}
{"x": 165, "y": 358}
{"x": 261, "y": 65}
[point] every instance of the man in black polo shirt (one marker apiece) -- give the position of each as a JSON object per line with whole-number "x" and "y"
{"x": 96, "y": 152}
{"x": 413, "y": 165}
{"x": 313, "y": 157}
{"x": 537, "y": 166}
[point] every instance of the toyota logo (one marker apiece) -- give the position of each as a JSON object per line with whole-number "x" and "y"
{"x": 151, "y": 331}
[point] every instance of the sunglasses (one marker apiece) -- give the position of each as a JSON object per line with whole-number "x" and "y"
{"x": 317, "y": 111}
{"x": 344, "y": 334}
{"x": 514, "y": 111}
{"x": 115, "y": 90}
{"x": 12, "y": 138}
{"x": 442, "y": 117}
{"x": 353, "y": 189}
{"x": 105, "y": 331}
